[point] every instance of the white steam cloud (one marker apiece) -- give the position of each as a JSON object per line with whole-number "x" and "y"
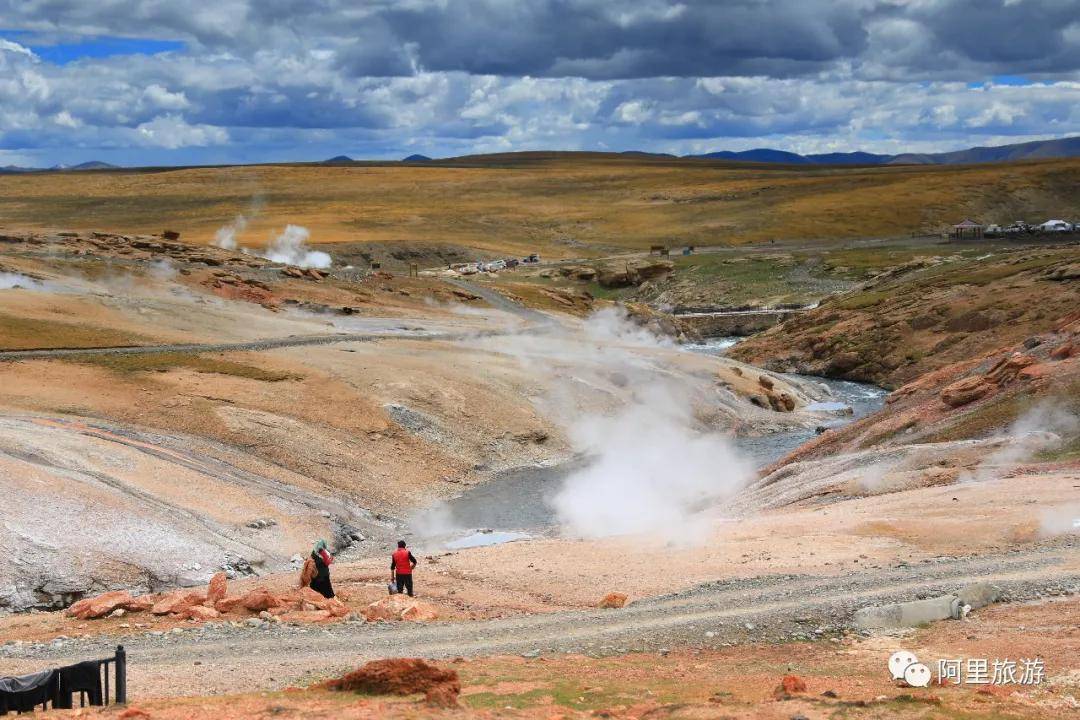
{"x": 9, "y": 281}
{"x": 290, "y": 247}
{"x": 654, "y": 466}
{"x": 1041, "y": 428}
{"x": 225, "y": 237}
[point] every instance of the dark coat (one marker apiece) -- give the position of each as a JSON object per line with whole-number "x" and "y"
{"x": 321, "y": 582}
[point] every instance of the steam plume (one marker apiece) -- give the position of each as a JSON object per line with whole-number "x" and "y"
{"x": 653, "y": 465}
{"x": 290, "y": 247}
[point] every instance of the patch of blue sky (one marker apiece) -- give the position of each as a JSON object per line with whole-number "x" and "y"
{"x": 62, "y": 53}
{"x": 1017, "y": 80}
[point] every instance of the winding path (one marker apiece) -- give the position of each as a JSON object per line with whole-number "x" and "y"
{"x": 221, "y": 658}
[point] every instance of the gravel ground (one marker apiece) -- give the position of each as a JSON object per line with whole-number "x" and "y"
{"x": 220, "y": 658}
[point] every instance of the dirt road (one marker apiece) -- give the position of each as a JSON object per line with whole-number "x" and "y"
{"x": 222, "y": 658}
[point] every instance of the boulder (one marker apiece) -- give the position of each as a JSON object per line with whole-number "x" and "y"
{"x": 337, "y": 608}
{"x": 1006, "y": 370}
{"x": 613, "y": 600}
{"x": 228, "y": 604}
{"x": 101, "y": 605}
{"x": 177, "y": 602}
{"x": 578, "y": 272}
{"x": 765, "y": 382}
{"x": 400, "y": 607}
{"x": 964, "y": 391}
{"x": 140, "y": 603}
{"x": 218, "y": 588}
{"x": 419, "y": 612}
{"x": 614, "y": 278}
{"x": 200, "y": 612}
{"x": 789, "y": 685}
{"x": 258, "y": 600}
{"x": 305, "y": 616}
{"x": 1064, "y": 352}
{"x": 648, "y": 269}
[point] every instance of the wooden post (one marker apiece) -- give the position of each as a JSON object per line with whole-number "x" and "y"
{"x": 121, "y": 675}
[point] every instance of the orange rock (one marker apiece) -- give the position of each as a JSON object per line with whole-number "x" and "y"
{"x": 613, "y": 601}
{"x": 336, "y": 608}
{"x": 306, "y": 616}
{"x": 133, "y": 712}
{"x": 177, "y": 602}
{"x": 218, "y": 588}
{"x": 789, "y": 685}
{"x": 1063, "y": 352}
{"x": 400, "y": 607}
{"x": 201, "y": 612}
{"x": 1032, "y": 372}
{"x": 418, "y": 612}
{"x": 140, "y": 603}
{"x": 228, "y": 604}
{"x": 259, "y": 599}
{"x": 312, "y": 597}
{"x": 100, "y": 606}
{"x": 964, "y": 391}
{"x": 1005, "y": 370}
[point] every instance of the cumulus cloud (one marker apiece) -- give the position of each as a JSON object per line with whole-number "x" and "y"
{"x": 172, "y": 132}
{"x": 274, "y": 81}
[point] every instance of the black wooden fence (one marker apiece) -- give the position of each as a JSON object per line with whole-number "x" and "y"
{"x": 92, "y": 680}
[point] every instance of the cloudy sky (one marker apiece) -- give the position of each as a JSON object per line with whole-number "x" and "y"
{"x": 167, "y": 82}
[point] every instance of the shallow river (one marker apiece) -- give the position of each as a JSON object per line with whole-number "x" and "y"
{"x": 517, "y": 501}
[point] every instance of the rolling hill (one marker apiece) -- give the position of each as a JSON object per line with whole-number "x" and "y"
{"x": 558, "y": 204}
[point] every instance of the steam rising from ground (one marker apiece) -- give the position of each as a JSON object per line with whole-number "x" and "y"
{"x": 10, "y": 280}
{"x": 653, "y": 465}
{"x": 290, "y": 247}
{"x": 1042, "y": 428}
{"x": 225, "y": 237}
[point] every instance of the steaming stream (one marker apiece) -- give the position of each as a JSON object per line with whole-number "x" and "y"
{"x": 519, "y": 501}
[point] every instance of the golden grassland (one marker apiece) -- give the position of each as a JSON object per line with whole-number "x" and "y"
{"x": 562, "y": 205}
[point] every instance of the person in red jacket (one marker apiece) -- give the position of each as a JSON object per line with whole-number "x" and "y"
{"x": 402, "y": 564}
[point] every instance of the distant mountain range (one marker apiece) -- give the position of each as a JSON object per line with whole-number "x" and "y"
{"x": 90, "y": 165}
{"x": 1037, "y": 150}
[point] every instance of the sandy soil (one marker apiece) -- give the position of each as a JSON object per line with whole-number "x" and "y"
{"x": 845, "y": 679}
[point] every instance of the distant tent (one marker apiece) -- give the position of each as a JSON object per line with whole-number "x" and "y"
{"x": 1056, "y": 226}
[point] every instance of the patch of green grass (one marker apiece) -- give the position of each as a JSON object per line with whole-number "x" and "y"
{"x": 163, "y": 362}
{"x": 861, "y": 301}
{"x": 19, "y": 333}
{"x": 980, "y": 274}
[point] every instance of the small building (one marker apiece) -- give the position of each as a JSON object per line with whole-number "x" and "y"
{"x": 968, "y": 230}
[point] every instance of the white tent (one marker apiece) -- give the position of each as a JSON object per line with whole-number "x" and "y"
{"x": 1056, "y": 226}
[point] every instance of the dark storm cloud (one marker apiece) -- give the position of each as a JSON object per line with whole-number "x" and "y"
{"x": 607, "y": 40}
{"x": 600, "y": 39}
